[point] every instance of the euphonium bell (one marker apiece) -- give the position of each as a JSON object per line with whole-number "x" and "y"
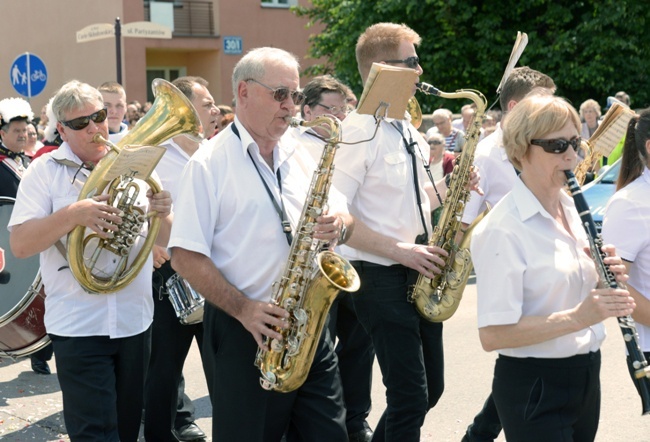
{"x": 171, "y": 114}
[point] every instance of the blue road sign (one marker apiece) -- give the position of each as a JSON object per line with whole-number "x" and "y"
{"x": 232, "y": 45}
{"x": 28, "y": 75}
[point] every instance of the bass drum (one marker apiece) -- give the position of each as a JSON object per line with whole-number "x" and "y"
{"x": 22, "y": 298}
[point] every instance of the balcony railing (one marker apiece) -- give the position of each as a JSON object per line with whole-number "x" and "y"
{"x": 191, "y": 18}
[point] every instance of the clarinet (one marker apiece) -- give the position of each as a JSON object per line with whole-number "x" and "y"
{"x": 641, "y": 376}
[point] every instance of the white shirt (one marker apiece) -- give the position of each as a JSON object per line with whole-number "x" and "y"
{"x": 308, "y": 139}
{"x": 376, "y": 177}
{"x": 224, "y": 212}
{"x": 69, "y": 311}
{"x": 170, "y": 167}
{"x": 498, "y": 175}
{"x": 117, "y": 136}
{"x": 528, "y": 265}
{"x": 627, "y": 225}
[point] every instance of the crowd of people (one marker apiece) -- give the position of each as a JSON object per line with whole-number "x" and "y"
{"x": 120, "y": 355}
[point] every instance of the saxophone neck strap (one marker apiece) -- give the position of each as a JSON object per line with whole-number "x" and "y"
{"x": 410, "y": 148}
{"x": 279, "y": 208}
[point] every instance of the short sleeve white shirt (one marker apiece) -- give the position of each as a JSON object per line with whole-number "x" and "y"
{"x": 46, "y": 187}
{"x": 376, "y": 177}
{"x": 528, "y": 265}
{"x": 627, "y": 225}
{"x": 224, "y": 212}
{"x": 498, "y": 175}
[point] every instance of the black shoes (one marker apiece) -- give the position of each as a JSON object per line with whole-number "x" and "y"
{"x": 364, "y": 435}
{"x": 40, "y": 367}
{"x": 190, "y": 432}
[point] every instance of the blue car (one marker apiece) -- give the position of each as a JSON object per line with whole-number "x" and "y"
{"x": 598, "y": 192}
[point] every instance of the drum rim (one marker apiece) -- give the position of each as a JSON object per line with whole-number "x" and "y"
{"x": 25, "y": 301}
{"x": 28, "y": 350}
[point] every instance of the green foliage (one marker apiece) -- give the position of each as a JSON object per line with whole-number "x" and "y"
{"x": 591, "y": 48}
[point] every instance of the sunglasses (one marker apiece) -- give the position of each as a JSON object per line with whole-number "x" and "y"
{"x": 83, "y": 122}
{"x": 558, "y": 145}
{"x": 411, "y": 62}
{"x": 335, "y": 109}
{"x": 282, "y": 93}
{"x": 435, "y": 142}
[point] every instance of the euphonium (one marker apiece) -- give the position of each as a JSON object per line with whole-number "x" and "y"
{"x": 437, "y": 299}
{"x": 171, "y": 114}
{"x": 309, "y": 283}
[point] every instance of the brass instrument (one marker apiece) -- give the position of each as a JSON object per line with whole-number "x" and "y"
{"x": 171, "y": 114}
{"x": 309, "y": 283}
{"x": 587, "y": 164}
{"x": 437, "y": 299}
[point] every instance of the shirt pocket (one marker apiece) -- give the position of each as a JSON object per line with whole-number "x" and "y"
{"x": 396, "y": 168}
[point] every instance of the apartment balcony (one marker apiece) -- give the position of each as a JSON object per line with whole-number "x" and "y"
{"x": 191, "y": 18}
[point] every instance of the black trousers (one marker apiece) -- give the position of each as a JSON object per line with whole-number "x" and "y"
{"x": 541, "y": 400}
{"x": 170, "y": 344}
{"x": 486, "y": 425}
{"x": 243, "y": 411}
{"x": 356, "y": 356}
{"x": 44, "y": 354}
{"x": 408, "y": 348}
{"x": 102, "y": 382}
{"x": 637, "y": 382}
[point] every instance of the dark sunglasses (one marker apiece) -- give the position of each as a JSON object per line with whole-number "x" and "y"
{"x": 435, "y": 142}
{"x": 282, "y": 93}
{"x": 558, "y": 145}
{"x": 411, "y": 62}
{"x": 83, "y": 122}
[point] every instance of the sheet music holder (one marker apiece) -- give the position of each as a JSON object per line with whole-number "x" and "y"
{"x": 387, "y": 91}
{"x": 136, "y": 161}
{"x": 611, "y": 129}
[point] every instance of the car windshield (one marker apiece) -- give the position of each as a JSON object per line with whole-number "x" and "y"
{"x": 611, "y": 175}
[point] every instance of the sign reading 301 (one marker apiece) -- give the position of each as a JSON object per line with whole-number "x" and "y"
{"x": 232, "y": 45}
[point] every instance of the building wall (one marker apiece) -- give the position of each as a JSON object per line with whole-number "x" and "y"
{"x": 48, "y": 29}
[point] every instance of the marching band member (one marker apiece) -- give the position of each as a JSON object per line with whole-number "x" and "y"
{"x": 228, "y": 242}
{"x": 325, "y": 95}
{"x": 15, "y": 114}
{"x": 626, "y": 222}
{"x": 171, "y": 340}
{"x": 537, "y": 302}
{"x": 101, "y": 341}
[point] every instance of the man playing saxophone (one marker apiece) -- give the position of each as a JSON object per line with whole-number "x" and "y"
{"x": 385, "y": 183}
{"x": 240, "y": 200}
{"x": 101, "y": 341}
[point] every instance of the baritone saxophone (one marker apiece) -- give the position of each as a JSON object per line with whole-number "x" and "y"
{"x": 310, "y": 282}
{"x": 437, "y": 299}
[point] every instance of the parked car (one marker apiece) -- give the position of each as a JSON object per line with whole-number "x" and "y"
{"x": 598, "y": 192}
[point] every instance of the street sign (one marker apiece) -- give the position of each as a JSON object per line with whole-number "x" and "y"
{"x": 146, "y": 29}
{"x": 95, "y": 32}
{"x": 232, "y": 45}
{"x": 28, "y": 75}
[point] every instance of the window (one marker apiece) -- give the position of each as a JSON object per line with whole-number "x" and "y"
{"x": 169, "y": 74}
{"x": 279, "y": 3}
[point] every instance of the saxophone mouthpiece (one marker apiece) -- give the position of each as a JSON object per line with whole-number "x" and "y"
{"x": 293, "y": 121}
{"x": 427, "y": 88}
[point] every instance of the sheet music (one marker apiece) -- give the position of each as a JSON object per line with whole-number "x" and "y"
{"x": 517, "y": 50}
{"x": 138, "y": 161}
{"x": 611, "y": 129}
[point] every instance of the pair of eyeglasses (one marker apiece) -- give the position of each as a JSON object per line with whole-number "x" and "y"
{"x": 435, "y": 142}
{"x": 411, "y": 62}
{"x": 334, "y": 110}
{"x": 558, "y": 145}
{"x": 282, "y": 93}
{"x": 83, "y": 122}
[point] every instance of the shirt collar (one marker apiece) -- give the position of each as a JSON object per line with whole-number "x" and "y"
{"x": 528, "y": 205}
{"x": 285, "y": 147}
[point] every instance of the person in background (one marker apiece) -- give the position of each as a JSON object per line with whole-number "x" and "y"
{"x": 33, "y": 143}
{"x": 102, "y": 341}
{"x": 454, "y": 138}
{"x": 498, "y": 177}
{"x": 626, "y": 223}
{"x": 590, "y": 115}
{"x": 538, "y": 305}
{"x": 325, "y": 95}
{"x": 169, "y": 412}
{"x": 115, "y": 103}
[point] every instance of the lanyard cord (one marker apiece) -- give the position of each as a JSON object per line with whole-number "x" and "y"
{"x": 284, "y": 221}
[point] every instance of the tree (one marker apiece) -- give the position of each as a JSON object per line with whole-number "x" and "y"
{"x": 591, "y": 48}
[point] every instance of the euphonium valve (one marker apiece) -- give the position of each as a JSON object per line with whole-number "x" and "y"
{"x": 171, "y": 114}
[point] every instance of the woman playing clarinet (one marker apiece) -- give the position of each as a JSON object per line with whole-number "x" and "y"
{"x": 538, "y": 305}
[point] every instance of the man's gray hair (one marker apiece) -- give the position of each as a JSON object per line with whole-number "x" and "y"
{"x": 74, "y": 95}
{"x": 253, "y": 64}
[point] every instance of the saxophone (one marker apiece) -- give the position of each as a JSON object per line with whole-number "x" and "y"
{"x": 309, "y": 283}
{"x": 437, "y": 299}
{"x": 587, "y": 164}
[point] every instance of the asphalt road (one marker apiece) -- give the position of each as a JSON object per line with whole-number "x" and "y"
{"x": 31, "y": 405}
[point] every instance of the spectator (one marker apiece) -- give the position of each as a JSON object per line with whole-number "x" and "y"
{"x": 454, "y": 138}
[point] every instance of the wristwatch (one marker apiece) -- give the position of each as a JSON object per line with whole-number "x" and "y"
{"x": 343, "y": 233}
